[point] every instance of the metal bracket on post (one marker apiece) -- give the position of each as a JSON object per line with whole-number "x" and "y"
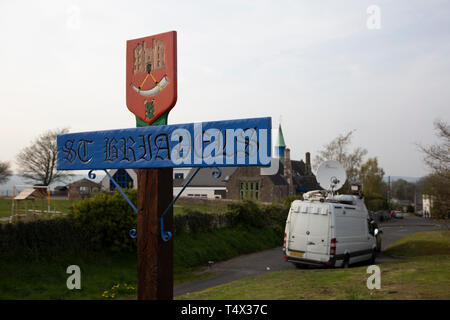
{"x": 165, "y": 235}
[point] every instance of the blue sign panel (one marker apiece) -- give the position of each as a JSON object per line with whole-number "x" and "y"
{"x": 243, "y": 142}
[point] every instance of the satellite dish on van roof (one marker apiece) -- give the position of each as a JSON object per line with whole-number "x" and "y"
{"x": 331, "y": 175}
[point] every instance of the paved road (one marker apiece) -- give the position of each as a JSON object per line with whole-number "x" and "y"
{"x": 272, "y": 260}
{"x": 398, "y": 228}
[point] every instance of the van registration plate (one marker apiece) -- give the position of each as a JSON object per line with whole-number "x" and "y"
{"x": 296, "y": 254}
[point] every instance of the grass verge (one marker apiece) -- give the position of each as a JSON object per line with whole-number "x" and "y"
{"x": 64, "y": 207}
{"x": 423, "y": 273}
{"x": 107, "y": 275}
{"x": 182, "y": 207}
{"x": 45, "y": 277}
{"x": 55, "y": 205}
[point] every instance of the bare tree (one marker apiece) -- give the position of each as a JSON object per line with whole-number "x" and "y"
{"x": 5, "y": 172}
{"x": 337, "y": 150}
{"x": 437, "y": 184}
{"x": 37, "y": 162}
{"x": 437, "y": 156}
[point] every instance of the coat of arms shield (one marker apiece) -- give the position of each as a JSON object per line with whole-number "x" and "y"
{"x": 151, "y": 75}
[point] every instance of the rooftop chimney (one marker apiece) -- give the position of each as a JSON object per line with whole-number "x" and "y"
{"x": 308, "y": 164}
{"x": 288, "y": 170}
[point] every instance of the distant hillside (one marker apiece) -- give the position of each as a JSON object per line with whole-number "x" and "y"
{"x": 409, "y": 179}
{"x": 6, "y": 188}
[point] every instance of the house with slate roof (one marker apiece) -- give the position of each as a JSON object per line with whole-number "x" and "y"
{"x": 204, "y": 185}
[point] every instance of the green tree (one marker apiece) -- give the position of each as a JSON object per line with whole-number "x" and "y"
{"x": 403, "y": 190}
{"x": 371, "y": 178}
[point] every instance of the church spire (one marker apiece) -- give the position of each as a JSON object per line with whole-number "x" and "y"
{"x": 280, "y": 145}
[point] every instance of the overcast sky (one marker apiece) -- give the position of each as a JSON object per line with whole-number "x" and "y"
{"x": 322, "y": 67}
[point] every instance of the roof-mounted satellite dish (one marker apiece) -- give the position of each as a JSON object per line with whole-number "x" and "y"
{"x": 331, "y": 175}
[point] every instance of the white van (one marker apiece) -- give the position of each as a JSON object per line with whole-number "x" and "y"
{"x": 329, "y": 231}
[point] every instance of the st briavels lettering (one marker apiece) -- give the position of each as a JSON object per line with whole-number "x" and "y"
{"x": 196, "y": 145}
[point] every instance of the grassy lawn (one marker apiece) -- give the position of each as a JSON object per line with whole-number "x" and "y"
{"x": 64, "y": 207}
{"x": 100, "y": 274}
{"x": 422, "y": 273}
{"x": 5, "y": 207}
{"x": 58, "y": 205}
{"x": 44, "y": 277}
{"x": 182, "y": 207}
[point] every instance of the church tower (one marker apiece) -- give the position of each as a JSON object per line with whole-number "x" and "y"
{"x": 280, "y": 146}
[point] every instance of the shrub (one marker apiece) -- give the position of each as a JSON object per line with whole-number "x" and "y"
{"x": 286, "y": 201}
{"x": 376, "y": 204}
{"x": 277, "y": 215}
{"x": 105, "y": 220}
{"x": 247, "y": 213}
{"x": 194, "y": 222}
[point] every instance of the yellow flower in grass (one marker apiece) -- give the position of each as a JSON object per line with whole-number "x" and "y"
{"x": 116, "y": 290}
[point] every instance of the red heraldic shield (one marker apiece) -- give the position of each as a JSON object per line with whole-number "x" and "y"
{"x": 152, "y": 75}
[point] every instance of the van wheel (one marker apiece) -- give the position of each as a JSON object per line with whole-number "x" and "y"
{"x": 373, "y": 258}
{"x": 346, "y": 263}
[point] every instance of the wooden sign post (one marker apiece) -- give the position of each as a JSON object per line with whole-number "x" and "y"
{"x": 155, "y": 256}
{"x": 153, "y": 59}
{"x": 155, "y": 148}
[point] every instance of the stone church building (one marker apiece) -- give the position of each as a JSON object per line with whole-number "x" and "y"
{"x": 293, "y": 177}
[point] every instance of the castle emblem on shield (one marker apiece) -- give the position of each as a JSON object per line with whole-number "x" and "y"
{"x": 151, "y": 76}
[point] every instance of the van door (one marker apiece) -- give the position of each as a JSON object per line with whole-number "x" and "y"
{"x": 309, "y": 231}
{"x": 297, "y": 233}
{"x": 318, "y": 232}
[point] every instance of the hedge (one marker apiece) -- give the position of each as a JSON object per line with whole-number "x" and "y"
{"x": 104, "y": 222}
{"x": 40, "y": 237}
